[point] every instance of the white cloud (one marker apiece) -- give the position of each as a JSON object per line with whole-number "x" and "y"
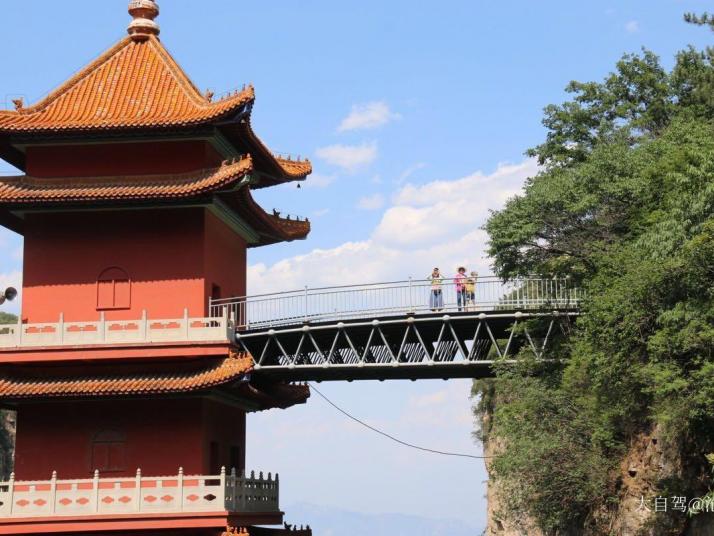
{"x": 443, "y": 408}
{"x": 371, "y": 202}
{"x": 436, "y": 224}
{"x": 349, "y": 157}
{"x": 318, "y": 180}
{"x": 410, "y": 171}
{"x": 367, "y": 116}
{"x": 321, "y": 212}
{"x": 632, "y": 26}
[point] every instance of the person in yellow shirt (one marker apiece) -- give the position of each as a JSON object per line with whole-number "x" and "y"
{"x": 470, "y": 287}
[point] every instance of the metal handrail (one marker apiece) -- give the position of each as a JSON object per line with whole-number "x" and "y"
{"x": 219, "y": 301}
{"x": 395, "y": 298}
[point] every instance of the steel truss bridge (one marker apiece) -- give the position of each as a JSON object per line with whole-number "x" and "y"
{"x": 399, "y": 330}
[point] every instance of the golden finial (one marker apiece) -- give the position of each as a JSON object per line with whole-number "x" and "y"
{"x": 143, "y": 25}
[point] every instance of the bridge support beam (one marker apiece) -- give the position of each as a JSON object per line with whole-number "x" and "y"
{"x": 461, "y": 345}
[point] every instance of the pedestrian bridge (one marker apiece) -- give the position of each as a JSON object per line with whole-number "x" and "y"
{"x": 389, "y": 330}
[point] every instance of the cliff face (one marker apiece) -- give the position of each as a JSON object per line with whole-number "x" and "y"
{"x": 644, "y": 473}
{"x": 499, "y": 523}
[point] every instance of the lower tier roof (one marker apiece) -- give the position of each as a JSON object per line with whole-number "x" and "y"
{"x": 226, "y": 182}
{"x": 230, "y": 375}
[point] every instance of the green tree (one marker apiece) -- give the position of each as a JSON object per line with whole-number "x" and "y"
{"x": 625, "y": 204}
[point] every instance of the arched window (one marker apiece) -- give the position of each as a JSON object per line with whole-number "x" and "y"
{"x": 113, "y": 289}
{"x": 108, "y": 451}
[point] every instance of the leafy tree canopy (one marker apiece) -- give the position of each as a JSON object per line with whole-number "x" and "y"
{"x": 624, "y": 204}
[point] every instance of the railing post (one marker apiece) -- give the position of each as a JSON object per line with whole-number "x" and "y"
{"x": 137, "y": 491}
{"x": 223, "y": 486}
{"x": 185, "y": 324}
{"x": 243, "y": 477}
{"x": 95, "y": 490}
{"x": 102, "y": 328}
{"x": 53, "y": 492}
{"x": 18, "y": 336}
{"x": 180, "y": 489}
{"x": 277, "y": 492}
{"x": 226, "y": 324}
{"x": 60, "y": 328}
{"x": 247, "y": 486}
{"x": 144, "y": 326}
{"x": 566, "y": 291}
{"x": 232, "y": 485}
{"x": 411, "y": 302}
{"x": 11, "y": 491}
{"x": 306, "y": 315}
{"x": 259, "y": 490}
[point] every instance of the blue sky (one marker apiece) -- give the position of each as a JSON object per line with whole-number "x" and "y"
{"x": 416, "y": 115}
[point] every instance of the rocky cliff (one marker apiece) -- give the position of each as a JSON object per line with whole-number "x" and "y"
{"x": 645, "y": 506}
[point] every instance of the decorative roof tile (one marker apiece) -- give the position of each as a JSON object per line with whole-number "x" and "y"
{"x": 295, "y": 168}
{"x": 17, "y": 386}
{"x": 274, "y": 394}
{"x": 134, "y": 85}
{"x": 27, "y": 190}
{"x": 269, "y": 225}
{"x": 137, "y": 86}
{"x": 242, "y": 135}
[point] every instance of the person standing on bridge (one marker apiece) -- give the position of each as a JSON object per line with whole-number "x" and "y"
{"x": 460, "y": 282}
{"x": 470, "y": 285}
{"x": 436, "y": 298}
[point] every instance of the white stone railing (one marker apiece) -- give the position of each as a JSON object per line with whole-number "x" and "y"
{"x": 140, "y": 495}
{"x": 143, "y": 330}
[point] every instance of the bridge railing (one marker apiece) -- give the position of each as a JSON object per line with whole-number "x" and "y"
{"x": 395, "y": 298}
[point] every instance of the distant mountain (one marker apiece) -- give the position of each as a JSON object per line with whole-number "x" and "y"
{"x": 326, "y": 521}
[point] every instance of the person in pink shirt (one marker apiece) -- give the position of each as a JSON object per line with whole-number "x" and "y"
{"x": 460, "y": 282}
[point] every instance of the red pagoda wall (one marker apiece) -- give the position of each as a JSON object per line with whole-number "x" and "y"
{"x": 172, "y": 259}
{"x": 98, "y": 160}
{"x": 117, "y": 437}
{"x": 225, "y": 259}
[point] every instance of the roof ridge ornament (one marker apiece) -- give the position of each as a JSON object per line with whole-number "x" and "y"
{"x": 143, "y": 25}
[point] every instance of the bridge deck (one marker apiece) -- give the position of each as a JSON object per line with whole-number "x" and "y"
{"x": 399, "y": 330}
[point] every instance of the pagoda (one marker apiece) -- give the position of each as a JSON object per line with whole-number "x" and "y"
{"x": 136, "y": 210}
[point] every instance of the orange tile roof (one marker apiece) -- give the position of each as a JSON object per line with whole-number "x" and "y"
{"x": 276, "y": 228}
{"x": 291, "y": 229}
{"x": 295, "y": 168}
{"x": 26, "y": 190}
{"x": 241, "y": 134}
{"x": 274, "y": 395}
{"x": 17, "y": 386}
{"x": 135, "y": 84}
